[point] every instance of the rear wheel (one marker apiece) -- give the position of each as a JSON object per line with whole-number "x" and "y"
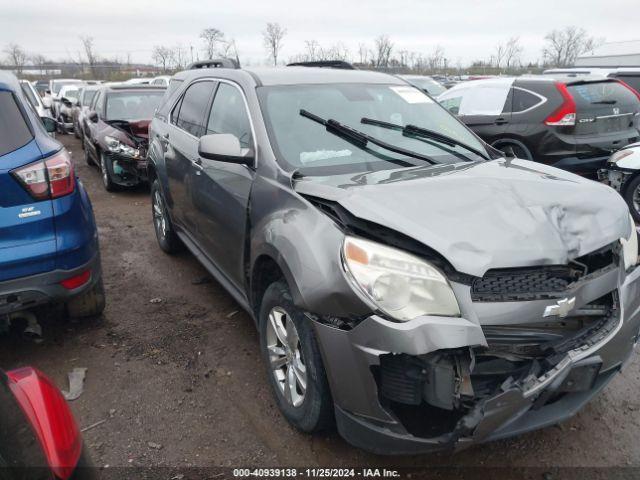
{"x": 89, "y": 304}
{"x": 632, "y": 196}
{"x": 167, "y": 238}
{"x": 294, "y": 364}
{"x": 519, "y": 149}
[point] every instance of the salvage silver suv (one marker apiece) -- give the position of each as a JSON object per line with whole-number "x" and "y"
{"x": 408, "y": 282}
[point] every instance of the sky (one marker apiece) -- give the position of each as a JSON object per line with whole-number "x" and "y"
{"x": 466, "y": 29}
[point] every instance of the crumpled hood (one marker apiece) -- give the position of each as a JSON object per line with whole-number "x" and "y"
{"x": 485, "y": 215}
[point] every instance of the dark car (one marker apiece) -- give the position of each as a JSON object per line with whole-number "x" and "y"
{"x": 569, "y": 122}
{"x": 406, "y": 280}
{"x": 40, "y": 439}
{"x": 49, "y": 252}
{"x": 116, "y": 134}
{"x": 80, "y": 108}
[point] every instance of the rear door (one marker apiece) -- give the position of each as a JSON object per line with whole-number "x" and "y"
{"x": 186, "y": 126}
{"x": 27, "y": 234}
{"x": 606, "y": 116}
{"x": 222, "y": 189}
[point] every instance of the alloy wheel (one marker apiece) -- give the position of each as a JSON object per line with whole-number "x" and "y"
{"x": 636, "y": 199}
{"x": 105, "y": 172}
{"x": 285, "y": 356}
{"x": 159, "y": 215}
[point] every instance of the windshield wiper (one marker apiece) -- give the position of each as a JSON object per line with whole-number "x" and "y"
{"x": 360, "y": 139}
{"x": 413, "y": 131}
{"x": 604, "y": 102}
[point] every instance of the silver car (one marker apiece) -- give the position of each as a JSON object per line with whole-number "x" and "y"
{"x": 408, "y": 282}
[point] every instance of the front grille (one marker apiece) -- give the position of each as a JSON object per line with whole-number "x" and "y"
{"x": 534, "y": 283}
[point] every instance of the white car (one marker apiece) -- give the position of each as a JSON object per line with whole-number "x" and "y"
{"x": 161, "y": 80}
{"x": 35, "y": 99}
{"x": 67, "y": 99}
{"x": 623, "y": 174}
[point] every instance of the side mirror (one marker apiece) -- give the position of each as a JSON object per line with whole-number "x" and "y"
{"x": 50, "y": 125}
{"x": 47, "y": 91}
{"x": 224, "y": 147}
{"x": 93, "y": 117}
{"x": 66, "y": 101}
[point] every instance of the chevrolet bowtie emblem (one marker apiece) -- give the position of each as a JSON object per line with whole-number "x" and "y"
{"x": 560, "y": 309}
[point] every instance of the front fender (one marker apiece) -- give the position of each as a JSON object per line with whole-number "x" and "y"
{"x": 306, "y": 244}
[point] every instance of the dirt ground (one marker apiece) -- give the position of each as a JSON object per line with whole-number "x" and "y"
{"x": 175, "y": 372}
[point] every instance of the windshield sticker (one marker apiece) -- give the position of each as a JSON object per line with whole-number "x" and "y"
{"x": 411, "y": 95}
{"x": 319, "y": 155}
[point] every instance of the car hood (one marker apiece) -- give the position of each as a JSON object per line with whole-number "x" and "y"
{"x": 496, "y": 214}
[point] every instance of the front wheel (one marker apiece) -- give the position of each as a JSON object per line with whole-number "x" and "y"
{"x": 107, "y": 181}
{"x": 294, "y": 364}
{"x": 632, "y": 196}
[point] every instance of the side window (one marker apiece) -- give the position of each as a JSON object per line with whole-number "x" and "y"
{"x": 484, "y": 100}
{"x": 14, "y": 131}
{"x": 524, "y": 100}
{"x": 229, "y": 115}
{"x": 99, "y": 103}
{"x": 452, "y": 104}
{"x": 193, "y": 106}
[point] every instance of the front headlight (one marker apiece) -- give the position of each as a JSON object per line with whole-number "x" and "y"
{"x": 619, "y": 155}
{"x": 630, "y": 247}
{"x": 116, "y": 146}
{"x": 401, "y": 285}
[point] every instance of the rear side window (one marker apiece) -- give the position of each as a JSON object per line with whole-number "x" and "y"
{"x": 29, "y": 94}
{"x": 194, "y": 105}
{"x": 14, "y": 131}
{"x": 524, "y": 100}
{"x": 632, "y": 80}
{"x": 87, "y": 97}
{"x": 229, "y": 115}
{"x": 601, "y": 93}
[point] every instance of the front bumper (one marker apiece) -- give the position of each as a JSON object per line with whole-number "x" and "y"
{"x": 127, "y": 171}
{"x": 30, "y": 292}
{"x": 352, "y": 357}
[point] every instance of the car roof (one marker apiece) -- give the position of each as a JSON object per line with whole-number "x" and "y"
{"x": 293, "y": 75}
{"x": 118, "y": 87}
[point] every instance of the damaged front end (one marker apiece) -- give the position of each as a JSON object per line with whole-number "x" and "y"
{"x": 446, "y": 383}
{"x": 126, "y": 152}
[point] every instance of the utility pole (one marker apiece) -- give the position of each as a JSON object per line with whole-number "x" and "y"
{"x": 191, "y": 46}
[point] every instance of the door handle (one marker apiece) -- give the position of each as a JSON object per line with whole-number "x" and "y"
{"x": 197, "y": 164}
{"x": 501, "y": 121}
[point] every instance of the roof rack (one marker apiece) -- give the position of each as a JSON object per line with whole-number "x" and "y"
{"x": 215, "y": 63}
{"x": 324, "y": 64}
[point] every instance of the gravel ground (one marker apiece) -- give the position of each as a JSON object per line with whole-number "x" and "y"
{"x": 174, "y": 370}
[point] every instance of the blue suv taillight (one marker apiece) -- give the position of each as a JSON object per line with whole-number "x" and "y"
{"x": 52, "y": 177}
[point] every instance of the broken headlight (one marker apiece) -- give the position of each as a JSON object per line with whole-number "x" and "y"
{"x": 630, "y": 247}
{"x": 116, "y": 146}
{"x": 401, "y": 285}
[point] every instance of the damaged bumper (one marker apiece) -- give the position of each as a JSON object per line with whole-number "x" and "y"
{"x": 127, "y": 171}
{"x": 438, "y": 383}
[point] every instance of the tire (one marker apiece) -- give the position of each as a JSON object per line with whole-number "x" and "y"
{"x": 105, "y": 173}
{"x": 165, "y": 233}
{"x": 520, "y": 150}
{"x": 87, "y": 156}
{"x": 310, "y": 409}
{"x": 89, "y": 304}
{"x": 632, "y": 196}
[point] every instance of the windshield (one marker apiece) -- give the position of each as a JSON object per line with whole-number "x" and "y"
{"x": 429, "y": 85}
{"x": 71, "y": 93}
{"x": 133, "y": 105}
{"x": 57, "y": 86}
{"x": 29, "y": 94}
{"x": 307, "y": 146}
{"x": 87, "y": 97}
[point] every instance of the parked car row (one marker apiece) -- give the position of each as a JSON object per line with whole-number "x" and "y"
{"x": 411, "y": 283}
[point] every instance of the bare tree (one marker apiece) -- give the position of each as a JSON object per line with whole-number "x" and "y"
{"x": 272, "y": 38}
{"x": 179, "y": 57}
{"x": 436, "y": 59}
{"x": 513, "y": 52}
{"x": 564, "y": 46}
{"x": 382, "y": 51}
{"x": 499, "y": 55}
{"x": 363, "y": 53}
{"x": 163, "y": 56}
{"x": 87, "y": 45}
{"x": 16, "y": 56}
{"x": 211, "y": 38}
{"x": 39, "y": 61}
{"x": 230, "y": 50}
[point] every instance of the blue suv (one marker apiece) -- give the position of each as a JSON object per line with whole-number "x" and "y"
{"x": 49, "y": 251}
